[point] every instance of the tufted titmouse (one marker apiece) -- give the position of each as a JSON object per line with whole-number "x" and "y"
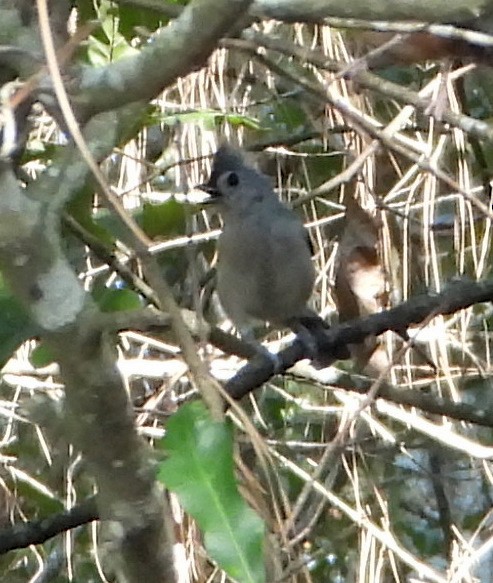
{"x": 264, "y": 271}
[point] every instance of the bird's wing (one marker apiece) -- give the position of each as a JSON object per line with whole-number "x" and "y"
{"x": 309, "y": 242}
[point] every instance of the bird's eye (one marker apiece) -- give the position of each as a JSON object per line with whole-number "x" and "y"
{"x": 233, "y": 179}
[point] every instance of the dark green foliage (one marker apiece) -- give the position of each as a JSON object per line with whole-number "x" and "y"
{"x": 117, "y": 300}
{"x": 15, "y": 325}
{"x": 162, "y": 220}
{"x": 200, "y": 470}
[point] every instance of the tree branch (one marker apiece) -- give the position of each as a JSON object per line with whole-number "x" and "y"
{"x": 420, "y": 399}
{"x": 99, "y": 414}
{"x": 317, "y": 10}
{"x": 36, "y": 532}
{"x": 457, "y": 296}
{"x": 365, "y": 79}
{"x": 184, "y": 45}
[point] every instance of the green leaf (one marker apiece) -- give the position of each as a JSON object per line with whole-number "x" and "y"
{"x": 86, "y": 10}
{"x": 41, "y": 356}
{"x": 38, "y": 497}
{"x": 285, "y": 117}
{"x": 15, "y": 324}
{"x": 167, "y": 218}
{"x": 107, "y": 43}
{"x": 211, "y": 119}
{"x": 133, "y": 17}
{"x": 117, "y": 300}
{"x": 200, "y": 470}
{"x": 81, "y": 209}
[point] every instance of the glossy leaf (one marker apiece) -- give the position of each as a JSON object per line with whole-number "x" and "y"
{"x": 117, "y": 300}
{"x": 200, "y": 471}
{"x": 167, "y": 218}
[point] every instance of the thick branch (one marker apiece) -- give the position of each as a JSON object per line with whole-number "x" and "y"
{"x": 424, "y": 10}
{"x": 98, "y": 410}
{"x": 101, "y": 422}
{"x": 316, "y": 11}
{"x": 184, "y": 45}
{"x": 457, "y": 296}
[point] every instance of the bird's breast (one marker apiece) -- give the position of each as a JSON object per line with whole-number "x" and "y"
{"x": 263, "y": 273}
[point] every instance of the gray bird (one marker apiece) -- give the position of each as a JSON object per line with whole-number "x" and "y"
{"x": 264, "y": 272}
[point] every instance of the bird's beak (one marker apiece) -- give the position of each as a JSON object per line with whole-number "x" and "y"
{"x": 211, "y": 191}
{"x": 207, "y": 188}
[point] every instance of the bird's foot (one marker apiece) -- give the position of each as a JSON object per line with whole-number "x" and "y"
{"x": 309, "y": 343}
